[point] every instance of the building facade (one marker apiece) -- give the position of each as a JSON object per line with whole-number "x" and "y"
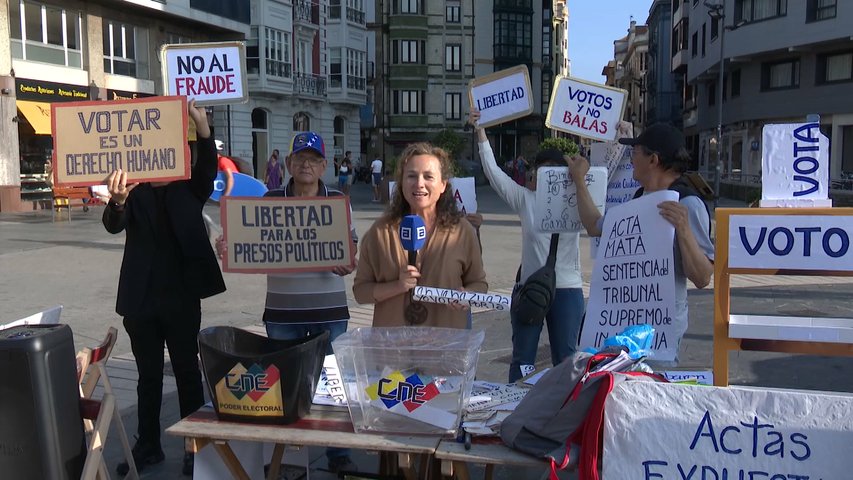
{"x": 768, "y": 78}
{"x": 71, "y": 50}
{"x": 628, "y": 71}
{"x": 663, "y": 87}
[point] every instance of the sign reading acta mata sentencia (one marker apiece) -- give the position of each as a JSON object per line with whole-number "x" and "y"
{"x": 791, "y": 242}
{"x": 283, "y": 235}
{"x": 556, "y": 208}
{"x": 733, "y": 433}
{"x": 144, "y": 137}
{"x": 794, "y": 166}
{"x": 210, "y": 73}
{"x": 632, "y": 279}
{"x": 585, "y": 108}
{"x": 501, "y": 96}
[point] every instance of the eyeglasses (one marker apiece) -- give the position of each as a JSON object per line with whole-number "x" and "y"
{"x": 307, "y": 159}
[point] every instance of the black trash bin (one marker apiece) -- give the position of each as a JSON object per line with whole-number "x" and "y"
{"x": 41, "y": 434}
{"x": 255, "y": 379}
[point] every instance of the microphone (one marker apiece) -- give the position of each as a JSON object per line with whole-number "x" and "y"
{"x": 412, "y": 236}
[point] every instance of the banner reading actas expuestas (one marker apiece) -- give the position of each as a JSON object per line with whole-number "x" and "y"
{"x": 145, "y": 137}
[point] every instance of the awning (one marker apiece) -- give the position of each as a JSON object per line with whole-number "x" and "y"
{"x": 38, "y": 114}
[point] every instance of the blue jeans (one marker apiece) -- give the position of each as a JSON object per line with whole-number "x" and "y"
{"x": 285, "y": 331}
{"x": 564, "y": 324}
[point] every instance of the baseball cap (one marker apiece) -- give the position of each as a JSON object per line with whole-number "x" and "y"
{"x": 220, "y": 145}
{"x": 311, "y": 140}
{"x": 660, "y": 137}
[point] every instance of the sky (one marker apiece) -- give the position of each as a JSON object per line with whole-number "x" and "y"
{"x": 593, "y": 26}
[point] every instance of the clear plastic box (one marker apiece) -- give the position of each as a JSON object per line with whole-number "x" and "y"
{"x": 412, "y": 380}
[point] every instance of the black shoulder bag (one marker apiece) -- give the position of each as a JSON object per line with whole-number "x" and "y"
{"x": 531, "y": 302}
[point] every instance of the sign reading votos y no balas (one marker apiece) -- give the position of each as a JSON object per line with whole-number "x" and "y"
{"x": 211, "y": 73}
{"x": 282, "y": 235}
{"x": 146, "y": 138}
{"x": 586, "y": 109}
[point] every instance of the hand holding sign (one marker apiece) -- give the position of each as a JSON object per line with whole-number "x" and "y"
{"x": 118, "y": 187}
{"x": 199, "y": 116}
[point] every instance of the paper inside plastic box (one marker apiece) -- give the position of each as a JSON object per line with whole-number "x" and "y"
{"x": 411, "y": 380}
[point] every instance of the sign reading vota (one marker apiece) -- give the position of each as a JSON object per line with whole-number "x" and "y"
{"x": 211, "y": 73}
{"x": 791, "y": 242}
{"x": 795, "y": 166}
{"x": 584, "y": 108}
{"x": 732, "y": 433}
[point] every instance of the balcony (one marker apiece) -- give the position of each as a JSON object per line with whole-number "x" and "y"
{"x": 356, "y": 83}
{"x": 355, "y": 16}
{"x": 306, "y": 11}
{"x": 679, "y": 61}
{"x": 308, "y": 84}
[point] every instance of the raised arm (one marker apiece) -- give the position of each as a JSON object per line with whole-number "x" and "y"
{"x": 590, "y": 216}
{"x": 511, "y": 192}
{"x": 115, "y": 217}
{"x": 204, "y": 172}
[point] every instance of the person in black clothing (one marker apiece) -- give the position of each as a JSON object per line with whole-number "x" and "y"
{"x": 168, "y": 266}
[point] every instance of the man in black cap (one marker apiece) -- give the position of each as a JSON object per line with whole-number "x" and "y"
{"x": 659, "y": 160}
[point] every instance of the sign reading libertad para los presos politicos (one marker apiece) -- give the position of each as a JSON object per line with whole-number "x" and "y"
{"x": 211, "y": 73}
{"x": 283, "y": 235}
{"x": 144, "y": 137}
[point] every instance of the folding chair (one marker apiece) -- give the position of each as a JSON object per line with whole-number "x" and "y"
{"x": 98, "y": 414}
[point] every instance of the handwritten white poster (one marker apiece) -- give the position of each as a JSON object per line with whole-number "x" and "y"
{"x": 556, "y": 208}
{"x": 584, "y": 108}
{"x": 621, "y": 185}
{"x": 632, "y": 280}
{"x": 794, "y": 166}
{"x": 668, "y": 431}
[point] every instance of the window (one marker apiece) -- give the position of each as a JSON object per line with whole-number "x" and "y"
{"x": 453, "y": 12}
{"x": 715, "y": 28}
{"x": 335, "y": 9}
{"x": 755, "y": 10}
{"x": 335, "y": 75}
{"x": 355, "y": 69}
{"x": 409, "y": 101}
{"x": 407, "y": 6}
{"x": 820, "y": 10}
{"x": 48, "y": 34}
{"x": 301, "y": 122}
{"x": 735, "y": 83}
{"x": 408, "y": 51}
{"x": 453, "y": 58}
{"x": 694, "y": 44}
{"x": 835, "y": 67}
{"x": 453, "y": 106}
{"x": 125, "y": 49}
{"x": 514, "y": 36}
{"x": 277, "y": 52}
{"x": 712, "y": 93}
{"x": 704, "y": 34}
{"x": 253, "y": 62}
{"x": 780, "y": 75}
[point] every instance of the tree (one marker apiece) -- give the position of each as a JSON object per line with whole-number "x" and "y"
{"x": 452, "y": 143}
{"x": 564, "y": 145}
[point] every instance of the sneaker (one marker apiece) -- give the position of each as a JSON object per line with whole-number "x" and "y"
{"x": 189, "y": 463}
{"x": 143, "y": 454}
{"x": 342, "y": 464}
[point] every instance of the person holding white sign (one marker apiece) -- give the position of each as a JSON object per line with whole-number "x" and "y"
{"x": 566, "y": 311}
{"x": 660, "y": 158}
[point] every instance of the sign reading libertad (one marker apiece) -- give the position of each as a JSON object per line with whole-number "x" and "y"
{"x": 281, "y": 235}
{"x": 144, "y": 137}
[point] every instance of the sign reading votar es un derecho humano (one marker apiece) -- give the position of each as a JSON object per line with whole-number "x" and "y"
{"x": 586, "y": 109}
{"x": 286, "y": 234}
{"x": 145, "y": 137}
{"x": 210, "y": 73}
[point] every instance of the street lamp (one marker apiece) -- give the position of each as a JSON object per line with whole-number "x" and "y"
{"x": 717, "y": 12}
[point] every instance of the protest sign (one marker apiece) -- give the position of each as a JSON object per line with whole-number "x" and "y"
{"x": 144, "y": 137}
{"x": 791, "y": 242}
{"x": 501, "y": 96}
{"x": 621, "y": 185}
{"x": 464, "y": 191}
{"x": 556, "y": 208}
{"x": 633, "y": 280}
{"x": 794, "y": 166}
{"x": 286, "y": 234}
{"x": 211, "y": 73}
{"x": 735, "y": 433}
{"x": 444, "y": 296}
{"x": 585, "y": 108}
